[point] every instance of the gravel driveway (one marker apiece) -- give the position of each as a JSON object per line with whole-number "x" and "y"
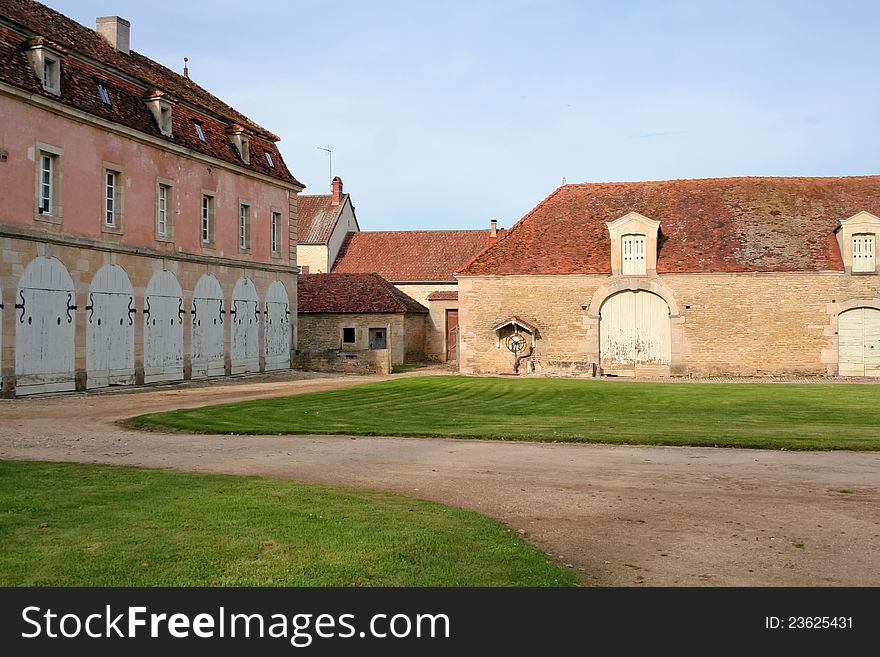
{"x": 618, "y": 515}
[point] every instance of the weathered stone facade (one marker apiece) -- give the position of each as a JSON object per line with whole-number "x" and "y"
{"x": 722, "y": 324}
{"x": 322, "y": 331}
{"x": 83, "y": 258}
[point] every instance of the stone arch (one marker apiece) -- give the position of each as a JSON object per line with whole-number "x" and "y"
{"x": 831, "y": 354}
{"x": 208, "y": 327}
{"x": 110, "y": 328}
{"x": 45, "y": 303}
{"x": 163, "y": 328}
{"x": 278, "y": 332}
{"x": 678, "y": 346}
{"x": 245, "y": 315}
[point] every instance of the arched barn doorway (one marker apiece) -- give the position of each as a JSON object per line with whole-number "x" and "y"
{"x": 277, "y": 327}
{"x": 163, "y": 329}
{"x": 208, "y": 342}
{"x": 45, "y": 303}
{"x": 634, "y": 334}
{"x": 110, "y": 329}
{"x": 858, "y": 333}
{"x": 245, "y": 327}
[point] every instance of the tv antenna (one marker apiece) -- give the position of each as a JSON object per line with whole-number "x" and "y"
{"x": 329, "y": 152}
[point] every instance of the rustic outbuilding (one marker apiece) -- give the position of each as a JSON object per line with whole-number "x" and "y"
{"x": 735, "y": 276}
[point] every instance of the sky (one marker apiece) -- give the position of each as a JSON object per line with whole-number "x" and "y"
{"x": 444, "y": 115}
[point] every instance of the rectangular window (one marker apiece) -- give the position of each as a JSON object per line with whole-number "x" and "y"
{"x": 269, "y": 160}
{"x": 50, "y": 72}
{"x": 864, "y": 252}
{"x": 276, "y": 219}
{"x": 348, "y": 335}
{"x": 207, "y": 214}
{"x": 199, "y": 131}
{"x": 110, "y": 199}
{"x": 104, "y": 94}
{"x": 244, "y": 227}
{"x": 632, "y": 253}
{"x": 162, "y": 224}
{"x": 46, "y": 190}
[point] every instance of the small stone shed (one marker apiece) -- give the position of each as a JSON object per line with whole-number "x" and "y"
{"x": 359, "y": 312}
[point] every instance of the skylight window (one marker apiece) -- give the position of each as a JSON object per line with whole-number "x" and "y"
{"x": 104, "y": 94}
{"x": 269, "y": 160}
{"x": 199, "y": 131}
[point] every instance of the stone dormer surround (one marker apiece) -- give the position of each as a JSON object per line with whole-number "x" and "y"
{"x": 633, "y": 223}
{"x": 860, "y": 223}
{"x": 161, "y": 106}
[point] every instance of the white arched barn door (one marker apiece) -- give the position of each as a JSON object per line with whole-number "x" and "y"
{"x": 634, "y": 333}
{"x": 208, "y": 329}
{"x": 858, "y": 333}
{"x": 163, "y": 329}
{"x": 44, "y": 328}
{"x": 277, "y": 327}
{"x": 110, "y": 329}
{"x": 245, "y": 327}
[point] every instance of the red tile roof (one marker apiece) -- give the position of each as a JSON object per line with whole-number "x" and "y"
{"x": 707, "y": 225}
{"x": 128, "y": 78}
{"x": 442, "y": 295}
{"x": 352, "y": 293}
{"x": 316, "y": 217}
{"x": 411, "y": 255}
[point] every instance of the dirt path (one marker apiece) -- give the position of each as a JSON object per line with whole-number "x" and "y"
{"x": 619, "y": 515}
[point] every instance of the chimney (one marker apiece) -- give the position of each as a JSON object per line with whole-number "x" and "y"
{"x": 494, "y": 224}
{"x": 337, "y": 190}
{"x": 116, "y": 30}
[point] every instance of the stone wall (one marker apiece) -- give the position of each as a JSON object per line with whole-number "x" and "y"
{"x": 414, "y": 337}
{"x": 313, "y": 256}
{"x": 435, "y": 329}
{"x": 737, "y": 324}
{"x": 322, "y": 331}
{"x": 435, "y": 325}
{"x": 83, "y": 257}
{"x": 348, "y": 361}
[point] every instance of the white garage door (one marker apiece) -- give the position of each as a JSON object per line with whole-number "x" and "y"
{"x": 858, "y": 332}
{"x": 245, "y": 327}
{"x": 163, "y": 329}
{"x": 110, "y": 329}
{"x": 277, "y": 327}
{"x": 208, "y": 329}
{"x": 634, "y": 333}
{"x": 44, "y": 328}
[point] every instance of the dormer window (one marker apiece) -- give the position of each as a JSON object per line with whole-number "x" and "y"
{"x": 160, "y": 106}
{"x": 857, "y": 239}
{"x": 633, "y": 245}
{"x": 104, "y": 94}
{"x": 864, "y": 247}
{"x": 199, "y": 131}
{"x": 50, "y": 74}
{"x": 241, "y": 143}
{"x": 46, "y": 64}
{"x": 633, "y": 255}
{"x": 269, "y": 159}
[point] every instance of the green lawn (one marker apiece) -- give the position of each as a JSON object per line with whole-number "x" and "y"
{"x": 67, "y": 524}
{"x": 814, "y": 416}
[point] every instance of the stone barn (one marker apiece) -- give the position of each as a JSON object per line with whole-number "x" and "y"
{"x": 345, "y": 316}
{"x": 738, "y": 276}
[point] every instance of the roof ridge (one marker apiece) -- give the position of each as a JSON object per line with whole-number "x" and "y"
{"x": 715, "y": 179}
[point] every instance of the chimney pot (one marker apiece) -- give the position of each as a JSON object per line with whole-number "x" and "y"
{"x": 116, "y": 30}
{"x": 337, "y": 191}
{"x": 494, "y": 224}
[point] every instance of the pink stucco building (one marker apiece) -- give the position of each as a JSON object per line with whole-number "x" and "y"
{"x": 147, "y": 229}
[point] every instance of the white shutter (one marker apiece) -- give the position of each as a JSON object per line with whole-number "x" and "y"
{"x": 863, "y": 248}
{"x": 632, "y": 253}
